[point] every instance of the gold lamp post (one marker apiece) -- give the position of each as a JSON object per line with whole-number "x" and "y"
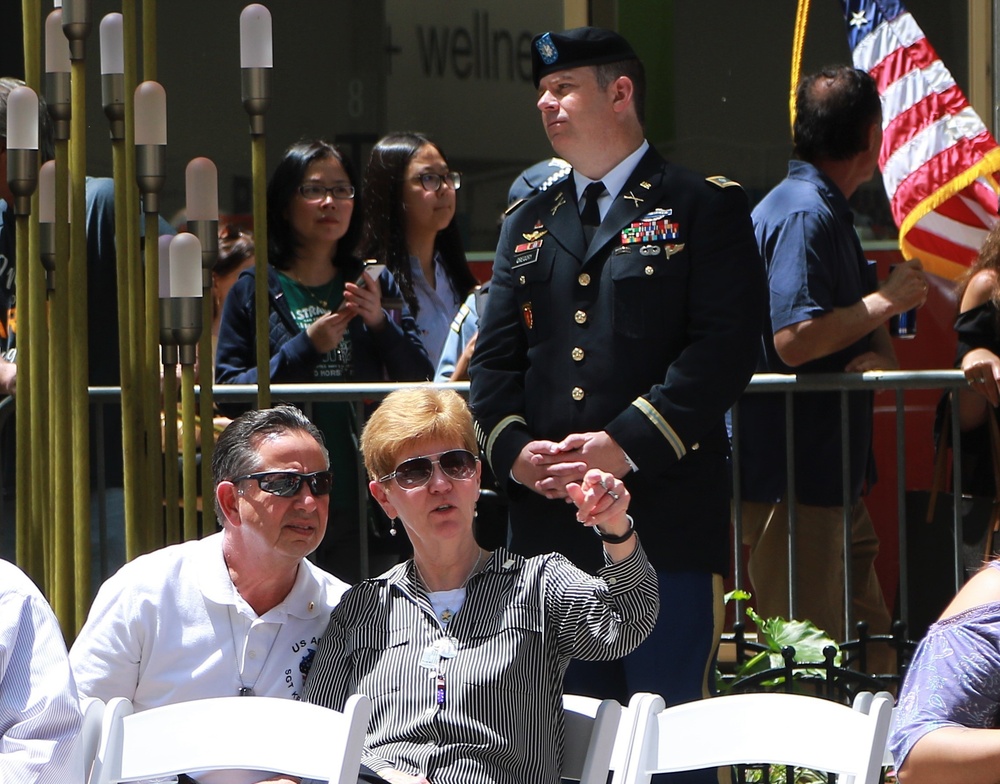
{"x": 256, "y": 61}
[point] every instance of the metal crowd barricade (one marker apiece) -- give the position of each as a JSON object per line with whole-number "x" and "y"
{"x": 895, "y": 381}
{"x": 301, "y": 394}
{"x": 790, "y": 385}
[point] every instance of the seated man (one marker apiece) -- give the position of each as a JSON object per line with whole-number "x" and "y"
{"x": 39, "y": 710}
{"x": 236, "y": 613}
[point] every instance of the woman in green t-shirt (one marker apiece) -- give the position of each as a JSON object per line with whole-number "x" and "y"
{"x": 324, "y": 327}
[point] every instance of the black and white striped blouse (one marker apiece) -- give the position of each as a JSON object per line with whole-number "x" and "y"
{"x": 481, "y": 698}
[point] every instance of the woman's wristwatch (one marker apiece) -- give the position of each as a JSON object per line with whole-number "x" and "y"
{"x": 617, "y": 538}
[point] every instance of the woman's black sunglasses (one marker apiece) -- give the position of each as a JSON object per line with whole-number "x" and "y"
{"x": 287, "y": 483}
{"x": 457, "y": 464}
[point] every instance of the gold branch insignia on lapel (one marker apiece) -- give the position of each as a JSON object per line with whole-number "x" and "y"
{"x": 560, "y": 201}
{"x": 635, "y": 199}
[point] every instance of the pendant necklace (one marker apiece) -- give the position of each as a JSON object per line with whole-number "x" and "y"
{"x": 434, "y": 655}
{"x": 447, "y": 614}
{"x": 244, "y": 690}
{"x": 311, "y": 291}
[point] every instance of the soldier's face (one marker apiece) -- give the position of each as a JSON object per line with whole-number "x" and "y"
{"x": 576, "y": 112}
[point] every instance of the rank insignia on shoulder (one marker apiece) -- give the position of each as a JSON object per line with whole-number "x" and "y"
{"x": 514, "y": 206}
{"x": 722, "y": 182}
{"x": 460, "y": 317}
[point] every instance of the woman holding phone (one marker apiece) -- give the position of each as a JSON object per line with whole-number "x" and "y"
{"x": 327, "y": 322}
{"x": 409, "y": 225}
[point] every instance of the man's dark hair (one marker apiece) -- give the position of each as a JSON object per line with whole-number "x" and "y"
{"x": 237, "y": 450}
{"x": 834, "y": 112}
{"x": 46, "y": 142}
{"x": 633, "y": 68}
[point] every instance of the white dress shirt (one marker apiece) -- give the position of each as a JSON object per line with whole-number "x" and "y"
{"x": 39, "y": 710}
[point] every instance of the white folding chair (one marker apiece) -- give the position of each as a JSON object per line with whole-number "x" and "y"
{"x": 863, "y": 702}
{"x": 772, "y": 728}
{"x": 599, "y": 735}
{"x": 591, "y": 729}
{"x": 255, "y": 733}
{"x": 90, "y": 734}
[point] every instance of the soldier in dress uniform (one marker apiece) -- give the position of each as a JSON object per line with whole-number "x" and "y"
{"x": 622, "y": 351}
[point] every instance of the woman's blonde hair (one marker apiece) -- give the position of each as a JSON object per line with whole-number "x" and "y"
{"x": 415, "y": 414}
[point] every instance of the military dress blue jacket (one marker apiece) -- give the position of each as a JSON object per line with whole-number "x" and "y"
{"x": 651, "y": 333}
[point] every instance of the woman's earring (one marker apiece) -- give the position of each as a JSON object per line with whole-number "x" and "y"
{"x": 392, "y": 527}
{"x": 475, "y": 511}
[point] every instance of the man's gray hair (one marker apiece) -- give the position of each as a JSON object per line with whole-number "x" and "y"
{"x": 237, "y": 450}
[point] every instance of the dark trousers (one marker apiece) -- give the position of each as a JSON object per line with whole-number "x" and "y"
{"x": 676, "y": 661}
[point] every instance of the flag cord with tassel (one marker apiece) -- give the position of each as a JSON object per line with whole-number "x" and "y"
{"x": 798, "y": 39}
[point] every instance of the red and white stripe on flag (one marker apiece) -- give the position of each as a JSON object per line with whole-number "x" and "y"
{"x": 938, "y": 159}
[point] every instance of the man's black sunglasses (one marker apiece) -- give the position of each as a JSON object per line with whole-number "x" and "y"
{"x": 287, "y": 483}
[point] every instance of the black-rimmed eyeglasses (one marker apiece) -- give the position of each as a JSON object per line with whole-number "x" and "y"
{"x": 315, "y": 192}
{"x": 431, "y": 181}
{"x": 287, "y": 483}
{"x": 459, "y": 464}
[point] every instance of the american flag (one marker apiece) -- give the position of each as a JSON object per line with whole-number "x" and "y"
{"x": 938, "y": 159}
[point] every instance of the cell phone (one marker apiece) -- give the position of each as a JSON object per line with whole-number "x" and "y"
{"x": 375, "y": 270}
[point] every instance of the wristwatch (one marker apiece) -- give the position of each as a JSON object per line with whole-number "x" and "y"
{"x": 617, "y": 538}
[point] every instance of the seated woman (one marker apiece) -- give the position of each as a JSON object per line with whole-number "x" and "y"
{"x": 946, "y": 716}
{"x": 463, "y": 650}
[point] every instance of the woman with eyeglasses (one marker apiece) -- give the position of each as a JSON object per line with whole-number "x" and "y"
{"x": 409, "y": 225}
{"x": 463, "y": 650}
{"x": 327, "y": 321}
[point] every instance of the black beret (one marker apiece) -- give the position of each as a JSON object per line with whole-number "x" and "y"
{"x": 573, "y": 48}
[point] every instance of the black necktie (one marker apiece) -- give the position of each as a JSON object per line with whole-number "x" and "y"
{"x": 591, "y": 215}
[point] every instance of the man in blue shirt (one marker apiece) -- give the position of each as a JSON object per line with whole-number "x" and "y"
{"x": 827, "y": 315}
